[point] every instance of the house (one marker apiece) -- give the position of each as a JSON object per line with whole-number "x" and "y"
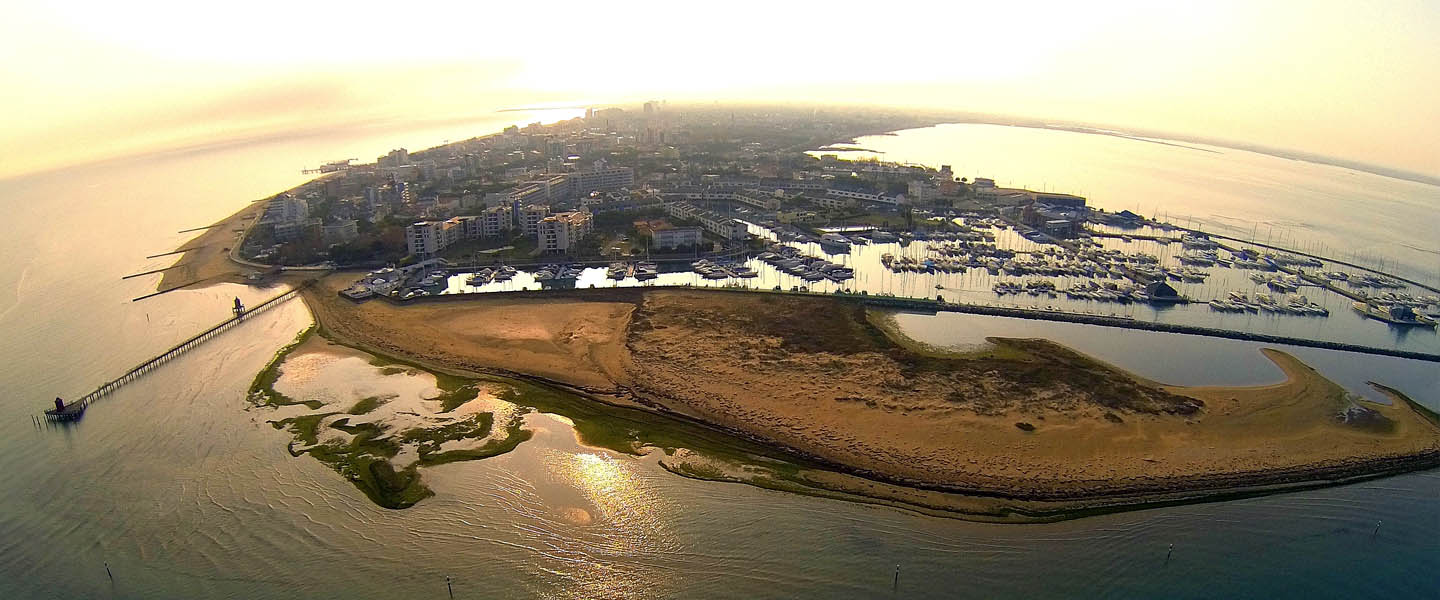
{"x": 1161, "y": 292}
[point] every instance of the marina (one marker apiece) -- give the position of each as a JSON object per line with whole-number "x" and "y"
{"x": 1163, "y": 276}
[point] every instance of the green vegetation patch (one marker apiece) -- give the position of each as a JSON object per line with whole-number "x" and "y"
{"x": 515, "y": 435}
{"x": 364, "y": 460}
{"x": 452, "y": 399}
{"x": 366, "y": 405}
{"x": 430, "y": 438}
{"x": 262, "y": 388}
{"x": 304, "y": 427}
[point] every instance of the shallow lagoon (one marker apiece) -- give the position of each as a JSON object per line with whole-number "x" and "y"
{"x": 1184, "y": 359}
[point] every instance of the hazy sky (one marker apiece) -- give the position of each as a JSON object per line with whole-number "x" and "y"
{"x": 1354, "y": 80}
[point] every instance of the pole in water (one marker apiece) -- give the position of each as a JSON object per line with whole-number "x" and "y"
{"x": 1168, "y": 553}
{"x": 1377, "y": 529}
{"x": 896, "y": 586}
{"x": 107, "y": 571}
{"x": 448, "y": 588}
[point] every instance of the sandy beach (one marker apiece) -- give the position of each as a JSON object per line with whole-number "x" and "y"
{"x": 1028, "y": 421}
{"x": 573, "y": 342}
{"x": 207, "y": 256}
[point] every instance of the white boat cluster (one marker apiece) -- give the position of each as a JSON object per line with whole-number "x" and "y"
{"x": 809, "y": 268}
{"x": 557, "y": 272}
{"x": 1109, "y": 291}
{"x": 1198, "y": 242}
{"x": 487, "y": 275}
{"x": 641, "y": 271}
{"x": 429, "y": 284}
{"x": 1294, "y": 305}
{"x": 967, "y": 234}
{"x": 1292, "y": 260}
{"x": 380, "y": 282}
{"x": 1428, "y": 304}
{"x": 942, "y": 264}
{"x": 1280, "y": 282}
{"x": 721, "y": 270}
{"x": 1365, "y": 280}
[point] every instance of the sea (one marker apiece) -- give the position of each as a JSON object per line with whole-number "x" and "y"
{"x": 177, "y": 487}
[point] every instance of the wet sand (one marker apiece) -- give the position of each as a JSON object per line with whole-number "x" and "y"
{"x": 1025, "y": 427}
{"x": 573, "y": 342}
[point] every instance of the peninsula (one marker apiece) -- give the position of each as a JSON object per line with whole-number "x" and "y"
{"x": 1023, "y": 430}
{"x": 812, "y": 393}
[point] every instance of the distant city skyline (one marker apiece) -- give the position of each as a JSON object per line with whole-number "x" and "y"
{"x": 1352, "y": 82}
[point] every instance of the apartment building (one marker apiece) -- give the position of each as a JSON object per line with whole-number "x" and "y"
{"x": 758, "y": 199}
{"x": 427, "y": 238}
{"x": 530, "y": 217}
{"x": 581, "y": 183}
{"x": 724, "y": 227}
{"x": 560, "y": 231}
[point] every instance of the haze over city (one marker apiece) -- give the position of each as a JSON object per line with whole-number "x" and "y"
{"x": 1348, "y": 80}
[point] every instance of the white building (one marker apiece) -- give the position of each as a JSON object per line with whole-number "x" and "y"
{"x": 560, "y": 231}
{"x": 866, "y": 196}
{"x": 398, "y": 157}
{"x": 675, "y": 237}
{"x": 582, "y": 183}
{"x": 427, "y": 238}
{"x": 530, "y": 217}
{"x": 724, "y": 227}
{"x": 285, "y": 209}
{"x": 922, "y": 192}
{"x": 832, "y": 202}
{"x": 495, "y": 221}
{"x": 758, "y": 199}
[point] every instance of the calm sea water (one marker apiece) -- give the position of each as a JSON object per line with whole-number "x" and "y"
{"x": 186, "y": 492}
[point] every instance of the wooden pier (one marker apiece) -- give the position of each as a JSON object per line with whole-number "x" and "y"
{"x": 71, "y": 410}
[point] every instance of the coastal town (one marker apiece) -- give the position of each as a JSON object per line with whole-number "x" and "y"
{"x": 766, "y": 198}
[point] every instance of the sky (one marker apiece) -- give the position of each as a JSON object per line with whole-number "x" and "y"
{"x": 1353, "y": 80}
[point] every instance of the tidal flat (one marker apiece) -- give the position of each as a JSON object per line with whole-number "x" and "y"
{"x": 378, "y": 423}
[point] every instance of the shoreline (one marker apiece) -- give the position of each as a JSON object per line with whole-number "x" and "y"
{"x": 209, "y": 255}
{"x": 827, "y": 476}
